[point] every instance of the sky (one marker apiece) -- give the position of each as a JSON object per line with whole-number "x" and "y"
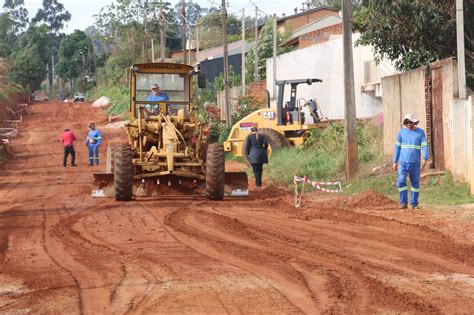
{"x": 82, "y": 11}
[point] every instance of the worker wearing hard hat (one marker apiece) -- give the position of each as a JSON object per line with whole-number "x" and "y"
{"x": 256, "y": 150}
{"x": 410, "y": 146}
{"x": 93, "y": 141}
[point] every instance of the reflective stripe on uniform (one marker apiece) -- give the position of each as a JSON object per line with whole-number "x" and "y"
{"x": 410, "y": 146}
{"x": 402, "y": 189}
{"x": 415, "y": 189}
{"x": 424, "y": 144}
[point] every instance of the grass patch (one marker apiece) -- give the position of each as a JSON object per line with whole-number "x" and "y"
{"x": 119, "y": 99}
{"x": 322, "y": 159}
{"x": 436, "y": 190}
{"x": 322, "y": 156}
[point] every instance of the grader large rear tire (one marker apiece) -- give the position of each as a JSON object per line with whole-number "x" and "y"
{"x": 276, "y": 141}
{"x": 123, "y": 173}
{"x": 215, "y": 172}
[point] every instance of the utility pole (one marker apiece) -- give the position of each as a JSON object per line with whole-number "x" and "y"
{"x": 190, "y": 46}
{"x": 349, "y": 93}
{"x": 162, "y": 33}
{"x": 197, "y": 43}
{"x": 255, "y": 69}
{"x": 52, "y": 66}
{"x": 183, "y": 31}
{"x": 460, "y": 48}
{"x": 243, "y": 51}
{"x": 228, "y": 116}
{"x": 152, "y": 49}
{"x": 274, "y": 55}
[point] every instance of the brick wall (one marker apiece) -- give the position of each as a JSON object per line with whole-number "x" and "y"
{"x": 319, "y": 36}
{"x": 258, "y": 90}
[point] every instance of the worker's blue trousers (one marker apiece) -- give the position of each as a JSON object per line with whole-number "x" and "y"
{"x": 93, "y": 154}
{"x": 412, "y": 170}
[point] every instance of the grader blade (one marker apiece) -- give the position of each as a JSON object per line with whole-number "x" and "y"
{"x": 236, "y": 184}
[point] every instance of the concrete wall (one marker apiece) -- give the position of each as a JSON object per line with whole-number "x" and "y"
{"x": 404, "y": 93}
{"x": 324, "y": 61}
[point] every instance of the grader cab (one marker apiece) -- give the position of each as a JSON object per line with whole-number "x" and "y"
{"x": 166, "y": 150}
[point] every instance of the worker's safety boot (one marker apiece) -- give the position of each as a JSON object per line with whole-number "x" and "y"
{"x": 402, "y": 206}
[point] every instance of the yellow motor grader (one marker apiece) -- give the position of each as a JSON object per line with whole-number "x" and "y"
{"x": 166, "y": 150}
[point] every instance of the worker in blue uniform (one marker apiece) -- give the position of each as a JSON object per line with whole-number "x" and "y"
{"x": 411, "y": 145}
{"x": 93, "y": 141}
{"x": 155, "y": 96}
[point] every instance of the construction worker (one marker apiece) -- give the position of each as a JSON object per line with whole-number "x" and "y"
{"x": 93, "y": 141}
{"x": 67, "y": 139}
{"x": 411, "y": 144}
{"x": 155, "y": 96}
{"x": 256, "y": 149}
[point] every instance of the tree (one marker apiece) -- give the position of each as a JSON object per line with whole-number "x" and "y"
{"x": 73, "y": 55}
{"x": 28, "y": 69}
{"x": 30, "y": 56}
{"x": 414, "y": 33}
{"x": 265, "y": 50}
{"x": 53, "y": 15}
{"x": 36, "y": 36}
{"x": 210, "y": 31}
{"x": 17, "y": 14}
{"x": 7, "y": 37}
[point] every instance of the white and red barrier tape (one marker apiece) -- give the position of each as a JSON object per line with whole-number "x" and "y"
{"x": 317, "y": 185}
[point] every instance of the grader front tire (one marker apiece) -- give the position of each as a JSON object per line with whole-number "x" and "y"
{"x": 123, "y": 173}
{"x": 215, "y": 172}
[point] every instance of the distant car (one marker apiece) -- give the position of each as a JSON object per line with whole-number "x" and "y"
{"x": 78, "y": 97}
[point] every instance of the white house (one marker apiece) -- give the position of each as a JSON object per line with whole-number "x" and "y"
{"x": 324, "y": 61}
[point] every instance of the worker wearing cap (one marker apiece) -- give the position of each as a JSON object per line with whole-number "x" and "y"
{"x": 93, "y": 141}
{"x": 410, "y": 146}
{"x": 155, "y": 96}
{"x": 256, "y": 150}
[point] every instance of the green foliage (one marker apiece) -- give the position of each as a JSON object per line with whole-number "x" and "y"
{"x": 38, "y": 38}
{"x": 53, "y": 15}
{"x": 234, "y": 80}
{"x": 413, "y": 33}
{"x": 119, "y": 98}
{"x": 73, "y": 54}
{"x": 247, "y": 104}
{"x": 265, "y": 51}
{"x": 322, "y": 156}
{"x": 438, "y": 190}
{"x": 210, "y": 31}
{"x": 215, "y": 129}
{"x": 115, "y": 69}
{"x": 29, "y": 58}
{"x": 209, "y": 94}
{"x": 17, "y": 13}
{"x": 7, "y": 38}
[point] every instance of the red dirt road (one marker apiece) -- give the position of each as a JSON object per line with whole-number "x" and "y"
{"x": 62, "y": 251}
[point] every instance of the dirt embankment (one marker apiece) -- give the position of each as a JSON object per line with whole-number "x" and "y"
{"x": 62, "y": 251}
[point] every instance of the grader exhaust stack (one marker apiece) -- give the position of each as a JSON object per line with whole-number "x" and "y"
{"x": 166, "y": 151}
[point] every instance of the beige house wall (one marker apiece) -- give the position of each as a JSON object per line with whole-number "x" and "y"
{"x": 404, "y": 93}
